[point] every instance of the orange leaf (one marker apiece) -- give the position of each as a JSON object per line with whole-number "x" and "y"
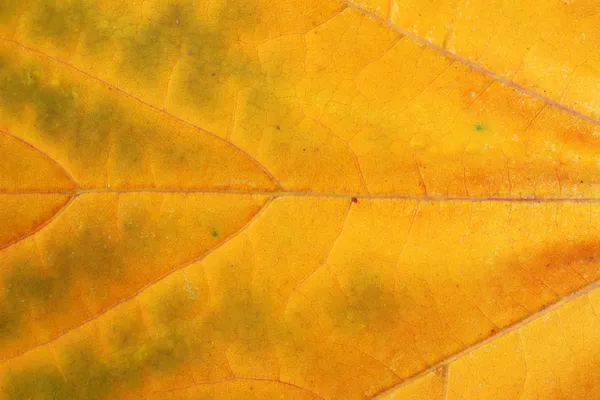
{"x": 304, "y": 199}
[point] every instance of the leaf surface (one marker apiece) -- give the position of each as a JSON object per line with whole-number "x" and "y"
{"x": 300, "y": 199}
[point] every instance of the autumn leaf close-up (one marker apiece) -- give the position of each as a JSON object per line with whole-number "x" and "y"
{"x": 299, "y": 199}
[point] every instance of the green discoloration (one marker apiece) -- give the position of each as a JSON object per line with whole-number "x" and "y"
{"x": 129, "y": 148}
{"x": 172, "y": 308}
{"x": 57, "y": 109}
{"x": 90, "y": 255}
{"x": 101, "y": 33}
{"x": 79, "y": 22}
{"x": 213, "y": 59}
{"x": 125, "y": 332}
{"x": 42, "y": 383}
{"x": 242, "y": 321}
{"x": 90, "y": 376}
{"x": 179, "y": 302}
{"x": 209, "y": 56}
{"x": 11, "y": 319}
{"x": 136, "y": 351}
{"x": 148, "y": 52}
{"x": 27, "y": 281}
{"x": 17, "y": 86}
{"x": 91, "y": 139}
{"x": 61, "y": 116}
{"x": 57, "y": 106}
{"x": 9, "y": 10}
{"x": 370, "y": 305}
{"x": 188, "y": 157}
{"x": 59, "y": 21}
{"x": 367, "y": 302}
{"x": 25, "y": 286}
{"x": 128, "y": 367}
{"x": 84, "y": 374}
{"x": 164, "y": 353}
{"x": 214, "y": 233}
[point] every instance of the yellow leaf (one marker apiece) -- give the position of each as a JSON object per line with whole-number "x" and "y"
{"x": 299, "y": 199}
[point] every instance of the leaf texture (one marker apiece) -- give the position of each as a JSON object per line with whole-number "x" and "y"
{"x": 299, "y": 199}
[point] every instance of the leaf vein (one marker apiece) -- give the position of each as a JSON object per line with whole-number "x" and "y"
{"x": 510, "y": 328}
{"x": 147, "y": 286}
{"x": 474, "y": 65}
{"x": 158, "y": 109}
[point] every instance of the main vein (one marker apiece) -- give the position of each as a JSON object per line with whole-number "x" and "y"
{"x": 300, "y": 193}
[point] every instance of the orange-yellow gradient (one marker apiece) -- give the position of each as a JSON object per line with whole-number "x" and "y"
{"x": 300, "y": 199}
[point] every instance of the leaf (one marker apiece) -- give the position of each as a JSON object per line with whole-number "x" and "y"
{"x": 547, "y": 49}
{"x": 299, "y": 199}
{"x": 550, "y": 356}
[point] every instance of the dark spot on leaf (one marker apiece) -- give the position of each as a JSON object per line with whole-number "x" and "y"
{"x": 479, "y": 127}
